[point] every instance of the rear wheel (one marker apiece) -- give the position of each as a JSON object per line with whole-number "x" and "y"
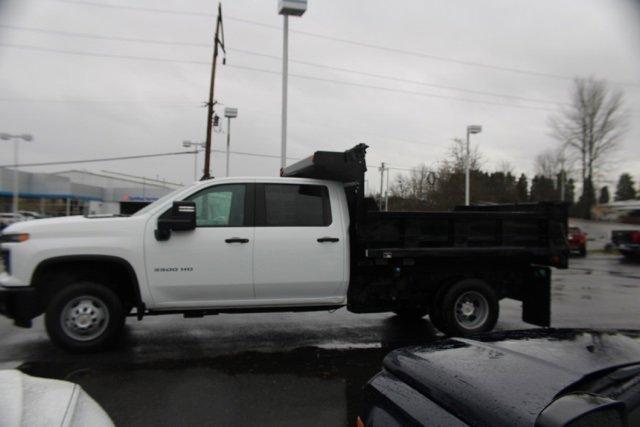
{"x": 84, "y": 317}
{"x": 469, "y": 306}
{"x": 583, "y": 251}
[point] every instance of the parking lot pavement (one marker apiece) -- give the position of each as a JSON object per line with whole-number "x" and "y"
{"x": 284, "y": 369}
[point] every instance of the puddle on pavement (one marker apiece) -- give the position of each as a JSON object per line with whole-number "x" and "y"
{"x": 310, "y": 386}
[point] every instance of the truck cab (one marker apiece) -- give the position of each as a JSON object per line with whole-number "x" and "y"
{"x": 256, "y": 242}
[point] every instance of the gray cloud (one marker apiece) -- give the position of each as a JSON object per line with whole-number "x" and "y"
{"x": 115, "y": 106}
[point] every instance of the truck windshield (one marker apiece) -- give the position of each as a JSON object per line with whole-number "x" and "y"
{"x": 158, "y": 202}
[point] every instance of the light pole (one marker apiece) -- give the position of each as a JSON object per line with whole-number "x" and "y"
{"x": 16, "y": 176}
{"x": 286, "y": 8}
{"x": 471, "y": 129}
{"x": 188, "y": 144}
{"x": 229, "y": 113}
{"x": 381, "y": 169}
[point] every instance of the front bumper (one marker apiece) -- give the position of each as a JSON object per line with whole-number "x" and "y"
{"x": 20, "y": 304}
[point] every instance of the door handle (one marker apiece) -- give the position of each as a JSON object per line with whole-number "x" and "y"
{"x": 328, "y": 239}
{"x": 236, "y": 240}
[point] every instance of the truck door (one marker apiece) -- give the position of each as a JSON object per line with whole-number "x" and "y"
{"x": 299, "y": 251}
{"x": 211, "y": 265}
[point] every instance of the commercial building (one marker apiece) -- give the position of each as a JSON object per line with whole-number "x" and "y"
{"x": 74, "y": 192}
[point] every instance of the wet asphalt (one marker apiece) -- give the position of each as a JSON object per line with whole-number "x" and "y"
{"x": 284, "y": 368}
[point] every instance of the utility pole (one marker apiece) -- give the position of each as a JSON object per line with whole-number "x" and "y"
{"x": 386, "y": 193}
{"x": 381, "y": 169}
{"x": 218, "y": 40}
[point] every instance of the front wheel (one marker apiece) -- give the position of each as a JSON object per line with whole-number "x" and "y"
{"x": 468, "y": 307}
{"x": 84, "y": 317}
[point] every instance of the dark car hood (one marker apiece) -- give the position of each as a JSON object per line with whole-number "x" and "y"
{"x": 509, "y": 377}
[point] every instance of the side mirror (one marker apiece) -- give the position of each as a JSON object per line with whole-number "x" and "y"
{"x": 582, "y": 409}
{"x": 181, "y": 218}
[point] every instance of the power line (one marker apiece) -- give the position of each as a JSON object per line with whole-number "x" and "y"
{"x": 104, "y": 159}
{"x": 275, "y": 57}
{"x": 177, "y": 153}
{"x": 245, "y": 153}
{"x": 386, "y": 89}
{"x": 101, "y": 55}
{"x": 340, "y": 40}
{"x": 102, "y": 36}
{"x": 399, "y": 79}
{"x": 142, "y": 156}
{"x": 300, "y": 76}
{"x": 104, "y": 101}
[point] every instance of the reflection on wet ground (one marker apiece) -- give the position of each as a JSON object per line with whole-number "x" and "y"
{"x": 318, "y": 385}
{"x": 308, "y": 386}
{"x": 283, "y": 369}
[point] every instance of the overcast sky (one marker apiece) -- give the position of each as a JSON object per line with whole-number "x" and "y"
{"x": 79, "y": 106}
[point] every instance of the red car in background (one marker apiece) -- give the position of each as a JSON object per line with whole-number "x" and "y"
{"x": 577, "y": 241}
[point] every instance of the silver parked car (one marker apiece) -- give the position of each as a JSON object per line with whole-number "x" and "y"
{"x": 8, "y": 218}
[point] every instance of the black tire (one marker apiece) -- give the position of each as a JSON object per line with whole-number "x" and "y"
{"x": 583, "y": 251}
{"x": 474, "y": 295}
{"x": 94, "y": 317}
{"x": 411, "y": 314}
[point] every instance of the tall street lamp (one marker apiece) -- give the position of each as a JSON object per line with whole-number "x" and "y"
{"x": 188, "y": 144}
{"x": 16, "y": 176}
{"x": 229, "y": 113}
{"x": 286, "y": 8}
{"x": 471, "y": 129}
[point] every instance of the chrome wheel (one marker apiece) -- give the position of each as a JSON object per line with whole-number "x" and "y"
{"x": 471, "y": 310}
{"x": 85, "y": 318}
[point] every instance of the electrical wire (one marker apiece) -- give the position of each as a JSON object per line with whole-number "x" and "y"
{"x": 241, "y": 67}
{"x": 104, "y": 159}
{"x": 177, "y": 153}
{"x": 275, "y": 57}
{"x": 338, "y": 39}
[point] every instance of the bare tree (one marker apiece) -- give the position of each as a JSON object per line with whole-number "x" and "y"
{"x": 506, "y": 167}
{"x": 415, "y": 185}
{"x": 592, "y": 125}
{"x": 548, "y": 164}
{"x": 458, "y": 153}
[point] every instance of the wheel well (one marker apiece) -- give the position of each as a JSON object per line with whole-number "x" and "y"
{"x": 115, "y": 273}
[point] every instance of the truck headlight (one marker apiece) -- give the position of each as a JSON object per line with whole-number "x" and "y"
{"x": 14, "y": 238}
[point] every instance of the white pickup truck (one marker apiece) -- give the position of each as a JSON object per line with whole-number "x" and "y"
{"x": 291, "y": 243}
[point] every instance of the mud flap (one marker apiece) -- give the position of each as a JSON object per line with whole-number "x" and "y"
{"x": 536, "y": 297}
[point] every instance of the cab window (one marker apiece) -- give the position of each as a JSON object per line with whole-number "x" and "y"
{"x": 220, "y": 206}
{"x": 289, "y": 205}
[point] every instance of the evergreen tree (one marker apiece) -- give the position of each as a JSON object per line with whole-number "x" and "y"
{"x": 570, "y": 191}
{"x": 604, "y": 195}
{"x": 625, "y": 190}
{"x": 522, "y": 189}
{"x": 542, "y": 189}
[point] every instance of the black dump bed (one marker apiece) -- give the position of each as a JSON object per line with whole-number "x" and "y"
{"x": 532, "y": 232}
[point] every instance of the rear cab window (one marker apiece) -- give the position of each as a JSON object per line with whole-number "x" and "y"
{"x": 293, "y": 205}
